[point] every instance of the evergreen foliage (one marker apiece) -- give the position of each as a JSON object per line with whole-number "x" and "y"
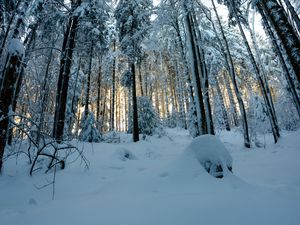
{"x": 89, "y": 131}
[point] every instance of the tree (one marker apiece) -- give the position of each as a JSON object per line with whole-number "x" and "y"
{"x": 234, "y": 9}
{"x": 280, "y": 55}
{"x": 133, "y": 19}
{"x": 287, "y": 35}
{"x": 64, "y": 72}
{"x": 196, "y": 71}
{"x": 89, "y": 131}
{"x": 7, "y": 91}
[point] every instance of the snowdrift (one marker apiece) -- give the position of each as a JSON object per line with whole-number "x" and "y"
{"x": 161, "y": 182}
{"x": 211, "y": 154}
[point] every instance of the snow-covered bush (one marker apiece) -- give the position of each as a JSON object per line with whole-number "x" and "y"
{"x": 89, "y": 132}
{"x": 211, "y": 154}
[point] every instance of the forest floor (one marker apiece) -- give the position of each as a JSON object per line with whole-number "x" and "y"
{"x": 155, "y": 185}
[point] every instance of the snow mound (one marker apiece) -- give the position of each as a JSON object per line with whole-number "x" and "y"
{"x": 15, "y": 47}
{"x": 211, "y": 154}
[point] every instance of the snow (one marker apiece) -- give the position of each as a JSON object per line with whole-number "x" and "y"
{"x": 164, "y": 184}
{"x": 15, "y": 47}
{"x": 208, "y": 148}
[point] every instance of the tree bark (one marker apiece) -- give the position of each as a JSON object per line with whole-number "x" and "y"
{"x": 273, "y": 122}
{"x": 201, "y": 115}
{"x": 99, "y": 78}
{"x": 64, "y": 76}
{"x": 88, "y": 83}
{"x": 112, "y": 116}
{"x": 231, "y": 70}
{"x": 6, "y": 98}
{"x": 135, "y": 131}
{"x": 285, "y": 32}
{"x": 294, "y": 15}
{"x": 290, "y": 82}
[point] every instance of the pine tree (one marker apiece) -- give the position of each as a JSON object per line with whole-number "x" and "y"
{"x": 89, "y": 131}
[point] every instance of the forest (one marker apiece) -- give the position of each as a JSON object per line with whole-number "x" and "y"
{"x": 92, "y": 75}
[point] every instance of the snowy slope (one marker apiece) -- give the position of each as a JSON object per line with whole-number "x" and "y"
{"x": 159, "y": 184}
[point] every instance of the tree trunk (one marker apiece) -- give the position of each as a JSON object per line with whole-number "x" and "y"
{"x": 290, "y": 82}
{"x": 64, "y": 76}
{"x": 8, "y": 28}
{"x": 135, "y": 130}
{"x": 99, "y": 93}
{"x": 201, "y": 115}
{"x": 263, "y": 72}
{"x": 273, "y": 122}
{"x": 112, "y": 116}
{"x": 140, "y": 78}
{"x": 285, "y": 32}
{"x": 202, "y": 64}
{"x": 294, "y": 14}
{"x": 88, "y": 83}
{"x": 6, "y": 98}
{"x": 230, "y": 67}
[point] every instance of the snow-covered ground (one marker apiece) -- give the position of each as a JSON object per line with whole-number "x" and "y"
{"x": 157, "y": 184}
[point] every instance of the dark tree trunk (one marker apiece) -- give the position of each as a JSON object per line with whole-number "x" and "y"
{"x": 6, "y": 98}
{"x": 140, "y": 78}
{"x": 196, "y": 75}
{"x": 285, "y": 32}
{"x": 28, "y": 42}
{"x": 295, "y": 18}
{"x": 5, "y": 36}
{"x": 202, "y": 64}
{"x": 290, "y": 82}
{"x": 88, "y": 83}
{"x": 99, "y": 92}
{"x": 64, "y": 76}
{"x": 135, "y": 131}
